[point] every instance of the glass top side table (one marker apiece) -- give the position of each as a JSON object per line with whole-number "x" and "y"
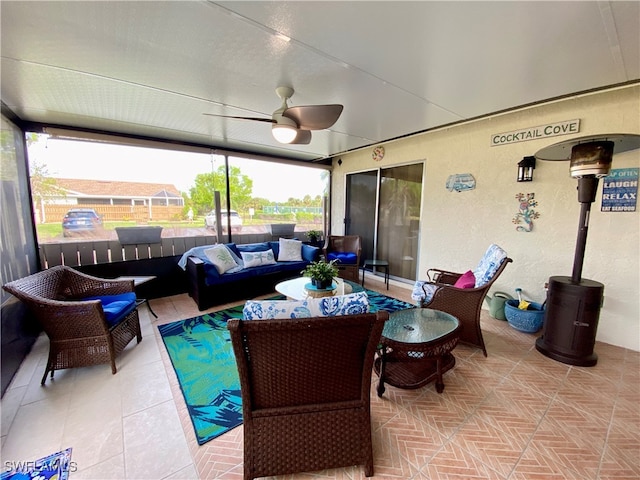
{"x": 415, "y": 348}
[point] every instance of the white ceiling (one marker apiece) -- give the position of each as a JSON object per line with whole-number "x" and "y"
{"x": 153, "y": 68}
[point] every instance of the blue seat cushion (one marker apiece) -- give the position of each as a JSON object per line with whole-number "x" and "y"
{"x": 116, "y": 307}
{"x": 343, "y": 257}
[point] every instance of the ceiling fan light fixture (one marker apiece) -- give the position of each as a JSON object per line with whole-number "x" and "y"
{"x": 293, "y": 125}
{"x": 284, "y": 130}
{"x": 284, "y": 133}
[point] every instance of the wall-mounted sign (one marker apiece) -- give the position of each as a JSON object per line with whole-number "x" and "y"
{"x": 620, "y": 190}
{"x": 526, "y": 213}
{"x": 460, "y": 182}
{"x": 533, "y": 133}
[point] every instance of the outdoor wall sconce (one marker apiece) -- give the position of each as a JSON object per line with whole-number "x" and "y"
{"x": 525, "y": 169}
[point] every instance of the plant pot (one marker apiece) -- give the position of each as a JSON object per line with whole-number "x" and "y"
{"x": 321, "y": 284}
{"x": 529, "y": 320}
{"x": 284, "y": 230}
{"x": 138, "y": 235}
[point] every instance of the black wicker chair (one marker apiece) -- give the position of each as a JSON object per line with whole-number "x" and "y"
{"x": 306, "y": 392}
{"x": 78, "y": 330}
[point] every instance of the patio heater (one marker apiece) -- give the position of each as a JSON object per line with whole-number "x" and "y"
{"x": 574, "y": 303}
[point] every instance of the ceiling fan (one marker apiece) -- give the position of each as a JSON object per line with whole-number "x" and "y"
{"x": 294, "y": 124}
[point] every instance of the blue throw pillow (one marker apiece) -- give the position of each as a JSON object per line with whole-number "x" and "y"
{"x": 254, "y": 247}
{"x": 310, "y": 253}
{"x": 234, "y": 249}
{"x": 275, "y": 246}
{"x": 116, "y": 307}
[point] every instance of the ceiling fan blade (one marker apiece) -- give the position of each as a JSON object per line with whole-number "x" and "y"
{"x": 302, "y": 138}
{"x": 254, "y": 119}
{"x": 314, "y": 117}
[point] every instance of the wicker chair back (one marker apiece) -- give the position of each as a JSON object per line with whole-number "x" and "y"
{"x": 306, "y": 392}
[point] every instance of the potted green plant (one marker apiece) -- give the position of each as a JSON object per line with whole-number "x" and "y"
{"x": 314, "y": 237}
{"x": 321, "y": 273}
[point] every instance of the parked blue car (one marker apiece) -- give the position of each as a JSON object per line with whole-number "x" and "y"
{"x": 81, "y": 221}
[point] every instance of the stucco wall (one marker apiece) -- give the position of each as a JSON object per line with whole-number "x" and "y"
{"x": 456, "y": 228}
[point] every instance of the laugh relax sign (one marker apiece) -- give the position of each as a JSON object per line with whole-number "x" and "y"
{"x": 533, "y": 133}
{"x": 620, "y": 190}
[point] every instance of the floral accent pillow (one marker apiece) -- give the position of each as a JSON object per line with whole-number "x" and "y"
{"x": 221, "y": 257}
{"x": 255, "y": 259}
{"x": 352, "y": 304}
{"x": 290, "y": 250}
{"x": 489, "y": 264}
{"x": 423, "y": 292}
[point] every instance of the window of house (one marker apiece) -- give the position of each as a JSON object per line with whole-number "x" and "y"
{"x": 133, "y": 185}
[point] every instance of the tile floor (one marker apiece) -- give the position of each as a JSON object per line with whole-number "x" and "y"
{"x": 513, "y": 415}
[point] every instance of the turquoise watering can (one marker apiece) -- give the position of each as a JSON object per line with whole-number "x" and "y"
{"x": 496, "y": 304}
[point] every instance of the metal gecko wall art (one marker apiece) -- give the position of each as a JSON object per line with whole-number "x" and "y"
{"x": 526, "y": 214}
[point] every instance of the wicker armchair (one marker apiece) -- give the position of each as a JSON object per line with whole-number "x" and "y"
{"x": 78, "y": 330}
{"x": 336, "y": 246}
{"x": 306, "y": 392}
{"x": 463, "y": 303}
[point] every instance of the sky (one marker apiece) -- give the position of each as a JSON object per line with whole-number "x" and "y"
{"x": 90, "y": 160}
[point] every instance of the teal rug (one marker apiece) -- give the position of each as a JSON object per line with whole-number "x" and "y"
{"x": 202, "y": 357}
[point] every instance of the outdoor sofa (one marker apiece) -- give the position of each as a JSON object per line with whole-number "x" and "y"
{"x": 212, "y": 279}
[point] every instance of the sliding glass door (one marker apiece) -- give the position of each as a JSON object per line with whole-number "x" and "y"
{"x": 399, "y": 219}
{"x": 383, "y": 207}
{"x": 360, "y": 210}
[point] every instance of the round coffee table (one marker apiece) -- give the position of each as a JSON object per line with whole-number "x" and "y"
{"x": 415, "y": 348}
{"x": 294, "y": 289}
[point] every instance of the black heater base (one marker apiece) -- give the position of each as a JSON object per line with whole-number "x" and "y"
{"x": 571, "y": 321}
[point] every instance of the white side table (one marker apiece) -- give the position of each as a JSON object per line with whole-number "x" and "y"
{"x": 139, "y": 280}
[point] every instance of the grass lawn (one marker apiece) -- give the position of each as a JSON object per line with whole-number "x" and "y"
{"x": 52, "y": 231}
{"x": 48, "y": 231}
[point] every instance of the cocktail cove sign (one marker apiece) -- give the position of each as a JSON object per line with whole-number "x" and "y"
{"x": 533, "y": 133}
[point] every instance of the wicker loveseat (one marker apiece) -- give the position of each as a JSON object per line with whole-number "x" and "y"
{"x": 88, "y": 320}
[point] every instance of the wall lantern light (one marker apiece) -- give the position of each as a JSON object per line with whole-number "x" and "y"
{"x": 525, "y": 169}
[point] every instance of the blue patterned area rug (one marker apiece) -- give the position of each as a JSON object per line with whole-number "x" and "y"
{"x": 202, "y": 357}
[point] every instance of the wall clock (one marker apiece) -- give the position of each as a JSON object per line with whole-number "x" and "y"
{"x": 378, "y": 153}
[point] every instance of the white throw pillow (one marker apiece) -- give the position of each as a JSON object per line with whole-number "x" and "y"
{"x": 290, "y": 250}
{"x": 255, "y": 259}
{"x": 221, "y": 257}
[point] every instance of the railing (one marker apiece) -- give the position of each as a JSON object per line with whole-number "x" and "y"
{"x": 93, "y": 252}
